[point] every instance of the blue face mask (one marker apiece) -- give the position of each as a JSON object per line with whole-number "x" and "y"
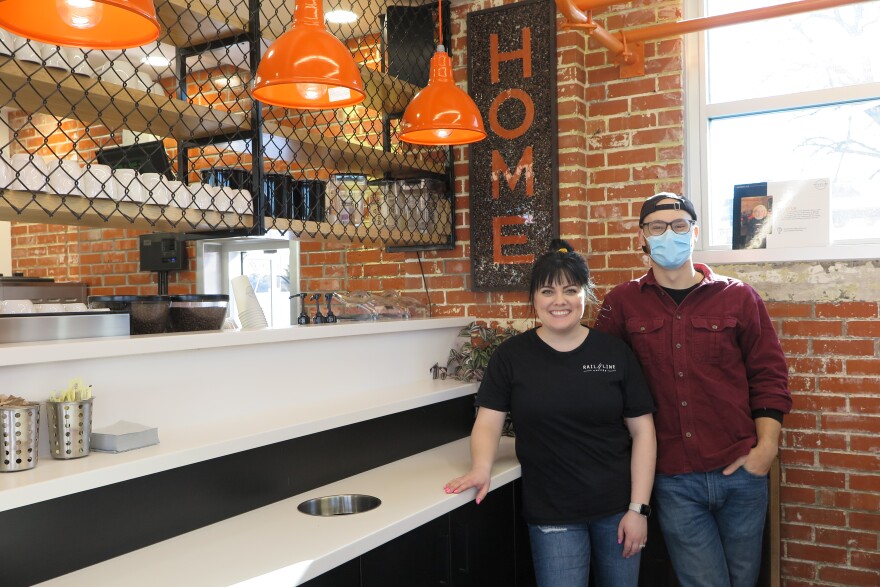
{"x": 670, "y": 250}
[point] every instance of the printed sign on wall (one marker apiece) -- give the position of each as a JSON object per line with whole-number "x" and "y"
{"x": 513, "y": 172}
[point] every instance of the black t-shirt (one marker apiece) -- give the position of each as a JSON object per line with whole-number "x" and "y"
{"x": 567, "y": 409}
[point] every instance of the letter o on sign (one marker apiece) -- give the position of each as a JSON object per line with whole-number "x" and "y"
{"x": 513, "y": 133}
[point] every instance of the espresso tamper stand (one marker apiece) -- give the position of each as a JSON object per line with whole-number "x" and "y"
{"x": 318, "y": 318}
{"x": 303, "y": 318}
{"x": 331, "y": 317}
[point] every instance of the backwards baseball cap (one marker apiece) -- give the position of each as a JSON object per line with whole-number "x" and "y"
{"x": 653, "y": 204}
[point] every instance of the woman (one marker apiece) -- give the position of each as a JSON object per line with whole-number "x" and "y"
{"x": 584, "y": 433}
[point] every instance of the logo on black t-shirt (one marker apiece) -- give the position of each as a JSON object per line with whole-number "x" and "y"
{"x": 600, "y": 368}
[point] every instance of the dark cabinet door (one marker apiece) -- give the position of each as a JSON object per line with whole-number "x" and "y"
{"x": 419, "y": 558}
{"x": 483, "y": 541}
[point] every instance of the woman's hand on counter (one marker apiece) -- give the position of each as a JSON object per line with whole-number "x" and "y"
{"x": 477, "y": 479}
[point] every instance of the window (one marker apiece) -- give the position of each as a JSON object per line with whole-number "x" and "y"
{"x": 784, "y": 99}
{"x": 270, "y": 265}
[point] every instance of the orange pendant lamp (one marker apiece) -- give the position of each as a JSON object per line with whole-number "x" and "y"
{"x": 90, "y": 24}
{"x": 441, "y": 113}
{"x": 307, "y": 67}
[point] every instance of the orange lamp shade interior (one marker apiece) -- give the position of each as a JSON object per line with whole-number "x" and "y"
{"x": 91, "y": 24}
{"x": 307, "y": 67}
{"x": 442, "y": 113}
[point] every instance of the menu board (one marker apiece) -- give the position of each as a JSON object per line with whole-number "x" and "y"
{"x": 782, "y": 214}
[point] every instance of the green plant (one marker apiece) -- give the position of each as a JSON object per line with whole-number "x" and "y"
{"x": 468, "y": 361}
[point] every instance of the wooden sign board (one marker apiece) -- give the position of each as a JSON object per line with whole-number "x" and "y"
{"x": 513, "y": 172}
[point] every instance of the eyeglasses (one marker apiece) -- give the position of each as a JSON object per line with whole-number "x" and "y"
{"x": 658, "y": 227}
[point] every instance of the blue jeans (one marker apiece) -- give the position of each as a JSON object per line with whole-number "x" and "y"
{"x": 561, "y": 554}
{"x": 713, "y": 526}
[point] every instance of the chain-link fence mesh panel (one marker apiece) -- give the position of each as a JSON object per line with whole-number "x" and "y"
{"x": 167, "y": 137}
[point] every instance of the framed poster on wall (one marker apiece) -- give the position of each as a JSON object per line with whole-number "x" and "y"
{"x": 752, "y": 216}
{"x": 779, "y": 214}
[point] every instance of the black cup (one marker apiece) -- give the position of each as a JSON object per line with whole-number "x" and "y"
{"x": 276, "y": 186}
{"x": 308, "y": 199}
{"x": 229, "y": 177}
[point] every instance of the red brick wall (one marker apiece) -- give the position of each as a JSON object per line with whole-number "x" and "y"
{"x": 831, "y": 442}
{"x": 106, "y": 259}
{"x": 620, "y": 141}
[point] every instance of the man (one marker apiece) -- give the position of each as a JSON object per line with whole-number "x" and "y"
{"x": 719, "y": 379}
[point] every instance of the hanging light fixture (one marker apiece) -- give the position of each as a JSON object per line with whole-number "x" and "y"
{"x": 91, "y": 24}
{"x": 441, "y": 113}
{"x": 307, "y": 67}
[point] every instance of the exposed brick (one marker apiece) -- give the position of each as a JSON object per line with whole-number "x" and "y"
{"x": 789, "y": 309}
{"x": 802, "y": 495}
{"x": 868, "y": 443}
{"x": 795, "y": 346}
{"x": 863, "y": 367}
{"x": 848, "y": 384}
{"x": 851, "y": 423}
{"x": 815, "y": 553}
{"x": 867, "y": 560}
{"x": 824, "y": 440}
{"x": 846, "y": 310}
{"x": 804, "y": 570}
{"x": 802, "y": 458}
{"x": 852, "y": 347}
{"x": 820, "y": 403}
{"x": 812, "y": 328}
{"x": 813, "y": 478}
{"x": 849, "y": 576}
{"x": 846, "y": 538}
{"x": 612, "y": 175}
{"x": 863, "y": 328}
{"x": 834, "y": 460}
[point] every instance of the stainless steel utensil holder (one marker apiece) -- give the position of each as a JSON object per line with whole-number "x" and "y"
{"x": 70, "y": 428}
{"x": 19, "y": 437}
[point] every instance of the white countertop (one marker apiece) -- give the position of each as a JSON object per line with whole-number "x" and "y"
{"x": 207, "y": 440}
{"x": 79, "y": 349}
{"x": 276, "y": 545}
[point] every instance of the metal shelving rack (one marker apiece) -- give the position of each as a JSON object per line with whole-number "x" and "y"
{"x": 311, "y": 145}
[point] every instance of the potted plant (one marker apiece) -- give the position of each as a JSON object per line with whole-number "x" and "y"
{"x": 468, "y": 361}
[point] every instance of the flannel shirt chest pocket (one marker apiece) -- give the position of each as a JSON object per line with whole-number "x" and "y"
{"x": 647, "y": 339}
{"x": 712, "y": 338}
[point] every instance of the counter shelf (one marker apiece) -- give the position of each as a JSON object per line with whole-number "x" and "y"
{"x": 277, "y": 545}
{"x": 33, "y": 353}
{"x": 54, "y": 478}
{"x": 165, "y": 380}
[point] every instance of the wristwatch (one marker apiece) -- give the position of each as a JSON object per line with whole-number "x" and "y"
{"x": 642, "y": 509}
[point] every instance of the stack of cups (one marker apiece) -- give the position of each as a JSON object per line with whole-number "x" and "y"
{"x": 250, "y": 314}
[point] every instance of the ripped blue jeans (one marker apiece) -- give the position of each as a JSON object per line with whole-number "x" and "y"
{"x": 562, "y": 554}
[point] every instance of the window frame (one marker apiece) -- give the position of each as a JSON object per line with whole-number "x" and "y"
{"x": 698, "y": 114}
{"x": 214, "y": 255}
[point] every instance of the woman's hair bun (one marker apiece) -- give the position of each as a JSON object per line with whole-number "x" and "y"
{"x": 558, "y": 245}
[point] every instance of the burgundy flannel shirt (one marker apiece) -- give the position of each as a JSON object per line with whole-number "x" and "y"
{"x": 711, "y": 362}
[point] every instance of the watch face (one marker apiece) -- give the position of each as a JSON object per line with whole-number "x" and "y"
{"x": 645, "y": 510}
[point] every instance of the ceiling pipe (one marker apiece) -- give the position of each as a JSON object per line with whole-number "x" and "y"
{"x": 627, "y": 46}
{"x": 660, "y": 31}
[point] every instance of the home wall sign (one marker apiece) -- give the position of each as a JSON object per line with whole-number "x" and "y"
{"x": 513, "y": 173}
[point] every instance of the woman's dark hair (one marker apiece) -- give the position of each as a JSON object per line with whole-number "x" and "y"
{"x": 561, "y": 264}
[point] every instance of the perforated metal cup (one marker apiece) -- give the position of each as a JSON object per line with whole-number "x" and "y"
{"x": 70, "y": 428}
{"x": 19, "y": 437}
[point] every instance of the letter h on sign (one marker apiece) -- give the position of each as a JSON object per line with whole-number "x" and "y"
{"x": 513, "y": 183}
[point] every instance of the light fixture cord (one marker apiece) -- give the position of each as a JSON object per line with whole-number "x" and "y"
{"x": 440, "y": 46}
